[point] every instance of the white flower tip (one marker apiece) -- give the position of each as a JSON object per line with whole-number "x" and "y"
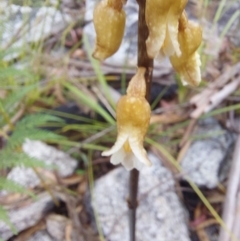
{"x": 184, "y": 81}
{"x": 106, "y": 153}
{"x": 122, "y": 137}
{"x": 143, "y": 157}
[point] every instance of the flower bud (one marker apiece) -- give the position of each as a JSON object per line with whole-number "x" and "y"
{"x": 133, "y": 109}
{"x": 162, "y": 20}
{"x": 188, "y": 64}
{"x": 109, "y": 22}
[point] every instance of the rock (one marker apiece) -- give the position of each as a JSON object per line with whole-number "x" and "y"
{"x": 33, "y": 24}
{"x": 204, "y": 157}
{"x": 56, "y": 226}
{"x": 64, "y": 164}
{"x": 26, "y": 215}
{"x": 41, "y": 236}
{"x": 160, "y": 215}
{"x": 51, "y": 156}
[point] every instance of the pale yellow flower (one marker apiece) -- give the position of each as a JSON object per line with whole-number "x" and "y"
{"x": 162, "y": 20}
{"x": 133, "y": 116}
{"x": 188, "y": 64}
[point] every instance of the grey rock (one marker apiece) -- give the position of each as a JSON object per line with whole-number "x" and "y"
{"x": 56, "y": 225}
{"x": 51, "y": 156}
{"x": 32, "y": 24}
{"x": 160, "y": 215}
{"x": 65, "y": 165}
{"x": 204, "y": 157}
{"x": 41, "y": 236}
{"x": 25, "y": 216}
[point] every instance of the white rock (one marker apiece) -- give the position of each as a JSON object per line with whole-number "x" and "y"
{"x": 204, "y": 157}
{"x": 41, "y": 23}
{"x": 56, "y": 225}
{"x": 41, "y": 236}
{"x": 65, "y": 165}
{"x": 160, "y": 215}
{"x": 27, "y": 215}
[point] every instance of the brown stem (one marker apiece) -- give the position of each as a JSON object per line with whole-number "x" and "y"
{"x": 146, "y": 62}
{"x": 132, "y": 202}
{"x": 143, "y": 59}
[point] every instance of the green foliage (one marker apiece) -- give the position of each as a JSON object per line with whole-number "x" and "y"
{"x": 9, "y": 159}
{"x": 89, "y": 102}
{"x": 11, "y": 186}
{"x": 29, "y": 128}
{"x": 11, "y": 155}
{"x": 11, "y": 101}
{"x": 4, "y": 218}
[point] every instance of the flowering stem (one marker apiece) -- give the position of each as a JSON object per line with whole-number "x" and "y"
{"x": 146, "y": 62}
{"x": 132, "y": 202}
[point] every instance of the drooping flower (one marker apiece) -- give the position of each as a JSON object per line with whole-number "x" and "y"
{"x": 188, "y": 64}
{"x": 109, "y": 22}
{"x": 133, "y": 116}
{"x": 162, "y": 20}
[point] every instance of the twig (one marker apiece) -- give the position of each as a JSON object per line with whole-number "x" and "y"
{"x": 188, "y": 132}
{"x": 236, "y": 225}
{"x": 221, "y": 95}
{"x": 230, "y": 204}
{"x": 146, "y": 62}
{"x": 215, "y": 92}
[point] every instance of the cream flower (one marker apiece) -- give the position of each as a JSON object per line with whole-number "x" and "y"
{"x": 133, "y": 116}
{"x": 162, "y": 20}
{"x": 188, "y": 64}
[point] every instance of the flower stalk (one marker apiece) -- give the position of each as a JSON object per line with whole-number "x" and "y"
{"x": 147, "y": 63}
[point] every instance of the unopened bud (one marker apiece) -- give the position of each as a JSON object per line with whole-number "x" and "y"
{"x": 109, "y": 22}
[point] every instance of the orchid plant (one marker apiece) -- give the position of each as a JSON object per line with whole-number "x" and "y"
{"x": 171, "y": 35}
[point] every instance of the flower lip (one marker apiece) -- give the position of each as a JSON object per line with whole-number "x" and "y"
{"x": 130, "y": 154}
{"x": 128, "y": 160}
